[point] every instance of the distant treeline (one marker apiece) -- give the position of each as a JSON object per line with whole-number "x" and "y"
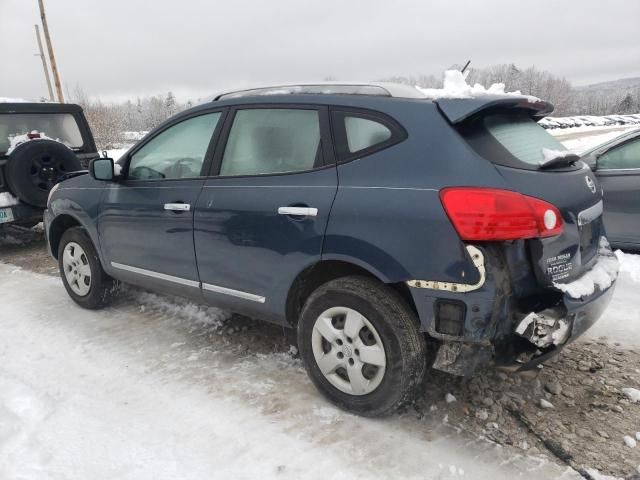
{"x": 110, "y": 120}
{"x": 567, "y": 99}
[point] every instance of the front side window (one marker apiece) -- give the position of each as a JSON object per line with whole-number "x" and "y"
{"x": 177, "y": 152}
{"x": 61, "y": 127}
{"x": 623, "y": 157}
{"x": 364, "y": 133}
{"x": 268, "y": 141}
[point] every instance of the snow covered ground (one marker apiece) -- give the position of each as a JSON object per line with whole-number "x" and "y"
{"x": 621, "y": 321}
{"x": 146, "y": 389}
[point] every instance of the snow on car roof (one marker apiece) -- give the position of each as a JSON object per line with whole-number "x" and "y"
{"x": 454, "y": 86}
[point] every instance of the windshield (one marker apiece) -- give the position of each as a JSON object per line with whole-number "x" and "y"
{"x": 521, "y": 137}
{"x": 58, "y": 126}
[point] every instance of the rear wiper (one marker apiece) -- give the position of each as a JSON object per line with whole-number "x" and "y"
{"x": 557, "y": 158}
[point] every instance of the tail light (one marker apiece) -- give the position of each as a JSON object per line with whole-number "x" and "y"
{"x": 493, "y": 214}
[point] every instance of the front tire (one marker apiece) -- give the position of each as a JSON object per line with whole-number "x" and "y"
{"x": 361, "y": 345}
{"x": 82, "y": 274}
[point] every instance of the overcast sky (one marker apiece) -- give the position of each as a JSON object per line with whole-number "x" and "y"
{"x": 120, "y": 48}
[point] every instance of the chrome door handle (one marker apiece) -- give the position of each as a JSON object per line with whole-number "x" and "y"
{"x": 298, "y": 211}
{"x": 177, "y": 207}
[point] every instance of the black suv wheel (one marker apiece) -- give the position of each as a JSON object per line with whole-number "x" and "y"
{"x": 361, "y": 345}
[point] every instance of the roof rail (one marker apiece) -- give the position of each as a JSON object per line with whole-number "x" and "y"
{"x": 329, "y": 88}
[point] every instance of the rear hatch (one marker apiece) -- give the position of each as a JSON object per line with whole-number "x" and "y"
{"x": 63, "y": 122}
{"x": 532, "y": 162}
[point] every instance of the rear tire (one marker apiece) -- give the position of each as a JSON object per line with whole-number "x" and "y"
{"x": 366, "y": 339}
{"x": 82, "y": 274}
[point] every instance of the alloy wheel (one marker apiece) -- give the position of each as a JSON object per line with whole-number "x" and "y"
{"x": 76, "y": 269}
{"x": 348, "y": 351}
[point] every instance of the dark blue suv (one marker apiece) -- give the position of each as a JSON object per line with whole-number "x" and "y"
{"x": 393, "y": 231}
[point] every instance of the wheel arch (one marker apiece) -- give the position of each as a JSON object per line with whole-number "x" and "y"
{"x": 59, "y": 225}
{"x": 329, "y": 269}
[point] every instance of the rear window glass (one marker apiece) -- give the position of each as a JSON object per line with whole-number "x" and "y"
{"x": 521, "y": 137}
{"x": 58, "y": 126}
{"x": 512, "y": 139}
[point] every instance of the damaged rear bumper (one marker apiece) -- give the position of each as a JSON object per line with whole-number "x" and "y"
{"x": 580, "y": 315}
{"x": 583, "y": 303}
{"x": 498, "y": 328}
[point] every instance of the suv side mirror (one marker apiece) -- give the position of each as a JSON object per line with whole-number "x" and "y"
{"x": 102, "y": 169}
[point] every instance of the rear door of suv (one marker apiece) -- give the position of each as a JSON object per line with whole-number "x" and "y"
{"x": 262, "y": 214}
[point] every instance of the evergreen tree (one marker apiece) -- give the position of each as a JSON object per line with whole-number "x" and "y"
{"x": 627, "y": 105}
{"x": 170, "y": 104}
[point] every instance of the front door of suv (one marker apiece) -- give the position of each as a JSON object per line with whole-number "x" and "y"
{"x": 261, "y": 218}
{"x": 618, "y": 171}
{"x": 146, "y": 220}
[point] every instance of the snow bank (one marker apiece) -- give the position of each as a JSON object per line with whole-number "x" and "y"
{"x": 7, "y": 200}
{"x": 602, "y": 275}
{"x": 629, "y": 264}
{"x": 619, "y": 322}
{"x": 455, "y": 86}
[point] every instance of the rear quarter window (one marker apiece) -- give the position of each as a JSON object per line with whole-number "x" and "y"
{"x": 358, "y": 133}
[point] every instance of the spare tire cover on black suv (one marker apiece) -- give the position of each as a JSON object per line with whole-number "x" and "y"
{"x": 34, "y": 167}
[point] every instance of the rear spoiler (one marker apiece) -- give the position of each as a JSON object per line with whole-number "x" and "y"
{"x": 457, "y": 110}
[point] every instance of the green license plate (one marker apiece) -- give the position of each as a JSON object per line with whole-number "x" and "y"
{"x": 6, "y": 215}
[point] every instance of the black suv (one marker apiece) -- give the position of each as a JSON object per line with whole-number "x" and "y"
{"x": 29, "y": 168}
{"x": 387, "y": 228}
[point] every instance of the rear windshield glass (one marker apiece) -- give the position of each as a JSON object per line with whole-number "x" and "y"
{"x": 521, "y": 136}
{"x": 58, "y": 126}
{"x": 510, "y": 139}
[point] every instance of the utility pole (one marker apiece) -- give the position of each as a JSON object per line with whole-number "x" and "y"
{"x": 52, "y": 58}
{"x": 44, "y": 63}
